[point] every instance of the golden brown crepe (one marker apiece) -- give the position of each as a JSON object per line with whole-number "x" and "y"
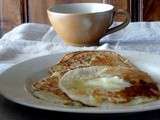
{"x": 83, "y": 59}
{"x": 89, "y": 58}
{"x": 98, "y": 85}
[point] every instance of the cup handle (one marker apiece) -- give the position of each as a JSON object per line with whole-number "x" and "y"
{"x": 122, "y": 25}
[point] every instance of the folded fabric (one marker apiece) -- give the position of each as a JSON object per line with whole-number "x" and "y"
{"x": 28, "y": 41}
{"x": 31, "y": 40}
{"x": 137, "y": 32}
{"x": 138, "y": 36}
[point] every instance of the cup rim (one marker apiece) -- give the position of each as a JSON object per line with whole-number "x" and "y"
{"x": 53, "y": 8}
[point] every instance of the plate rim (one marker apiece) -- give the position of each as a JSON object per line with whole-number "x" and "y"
{"x": 74, "y": 110}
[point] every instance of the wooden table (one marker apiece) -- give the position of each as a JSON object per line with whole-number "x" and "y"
{"x": 12, "y": 111}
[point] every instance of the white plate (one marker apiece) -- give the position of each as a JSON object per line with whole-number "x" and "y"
{"x": 14, "y": 80}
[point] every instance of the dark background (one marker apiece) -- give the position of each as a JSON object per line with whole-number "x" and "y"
{"x": 12, "y": 111}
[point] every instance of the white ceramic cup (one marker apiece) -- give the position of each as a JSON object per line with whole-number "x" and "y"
{"x": 84, "y": 23}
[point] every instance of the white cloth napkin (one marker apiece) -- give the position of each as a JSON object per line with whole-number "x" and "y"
{"x": 140, "y": 36}
{"x": 31, "y": 40}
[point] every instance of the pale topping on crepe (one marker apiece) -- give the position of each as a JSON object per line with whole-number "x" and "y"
{"x": 108, "y": 83}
